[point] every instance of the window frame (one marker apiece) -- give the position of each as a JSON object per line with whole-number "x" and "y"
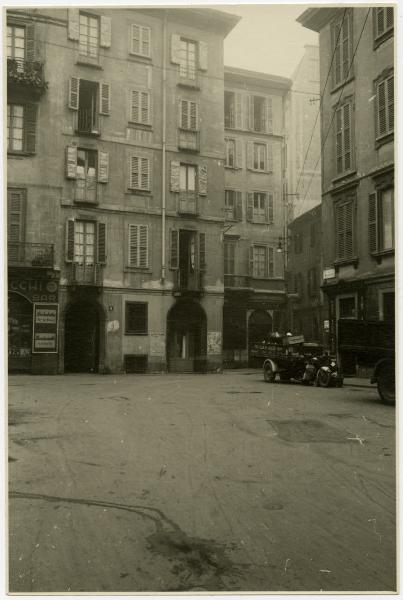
{"x": 13, "y": 26}
{"x": 141, "y": 93}
{"x": 140, "y": 40}
{"x": 140, "y": 187}
{"x": 138, "y": 265}
{"x": 184, "y": 65}
{"x": 389, "y": 132}
{"x": 228, "y": 142}
{"x": 269, "y": 266}
{"x": 339, "y": 109}
{"x": 337, "y": 50}
{"x": 227, "y": 194}
{"x": 141, "y": 330}
{"x": 11, "y": 128}
{"x": 259, "y": 148}
{"x": 88, "y": 55}
{"x": 388, "y": 32}
{"x": 229, "y": 260}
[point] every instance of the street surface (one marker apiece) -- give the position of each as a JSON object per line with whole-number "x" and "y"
{"x": 198, "y": 482}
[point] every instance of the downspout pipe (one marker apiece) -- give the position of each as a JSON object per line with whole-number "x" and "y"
{"x": 164, "y": 126}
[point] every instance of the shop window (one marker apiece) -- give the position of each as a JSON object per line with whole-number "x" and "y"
{"x": 136, "y": 318}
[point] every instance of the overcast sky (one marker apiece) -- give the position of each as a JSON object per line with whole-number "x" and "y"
{"x": 267, "y": 38}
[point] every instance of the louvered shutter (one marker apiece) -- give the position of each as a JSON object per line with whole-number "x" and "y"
{"x": 16, "y": 202}
{"x": 145, "y": 108}
{"x": 175, "y": 175}
{"x": 340, "y": 230}
{"x": 238, "y": 206}
{"x": 251, "y": 261}
{"x": 133, "y": 246}
{"x": 30, "y": 110}
{"x": 135, "y": 106}
{"x": 249, "y": 208}
{"x": 103, "y": 166}
{"x": 203, "y": 56}
{"x": 347, "y": 137}
{"x": 174, "y": 253}
{"x": 175, "y": 48}
{"x": 184, "y": 114}
{"x": 391, "y": 100}
{"x": 101, "y": 243}
{"x": 246, "y": 112}
{"x": 143, "y": 246}
{"x": 105, "y": 38}
{"x": 339, "y": 142}
{"x": 202, "y": 251}
{"x": 74, "y": 92}
{"x": 238, "y": 111}
{"x": 30, "y": 42}
{"x": 202, "y": 177}
{"x": 249, "y": 155}
{"x": 239, "y": 153}
{"x": 73, "y": 27}
{"x": 104, "y": 98}
{"x": 145, "y": 174}
{"x": 134, "y": 39}
{"x": 380, "y": 27}
{"x": 270, "y": 261}
{"x": 193, "y": 116}
{"x": 349, "y": 230}
{"x": 345, "y": 46}
{"x": 69, "y": 241}
{"x": 269, "y": 157}
{"x": 71, "y": 162}
{"x": 389, "y": 17}
{"x": 134, "y": 179}
{"x": 336, "y": 46}
{"x": 269, "y": 115}
{"x": 382, "y": 108}
{"x": 145, "y": 41}
{"x": 270, "y": 208}
{"x": 373, "y": 222}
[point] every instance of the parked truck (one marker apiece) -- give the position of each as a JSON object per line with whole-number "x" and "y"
{"x": 371, "y": 344}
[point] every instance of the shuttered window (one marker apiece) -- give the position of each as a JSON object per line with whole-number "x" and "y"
{"x": 229, "y": 258}
{"x": 188, "y": 115}
{"x": 229, "y": 152}
{"x": 262, "y": 259}
{"x": 385, "y": 106}
{"x": 344, "y": 221}
{"x": 21, "y": 127}
{"x": 89, "y": 35}
{"x": 383, "y": 20}
{"x": 381, "y": 220}
{"x": 85, "y": 242}
{"x": 16, "y": 203}
{"x": 16, "y": 43}
{"x": 342, "y": 41}
{"x": 187, "y": 59}
{"x": 136, "y": 318}
{"x": 140, "y": 40}
{"x": 139, "y": 173}
{"x": 140, "y": 107}
{"x": 138, "y": 246}
{"x": 344, "y": 138}
{"x": 259, "y": 157}
{"x": 260, "y": 207}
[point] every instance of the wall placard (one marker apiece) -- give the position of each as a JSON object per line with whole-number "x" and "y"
{"x": 45, "y": 328}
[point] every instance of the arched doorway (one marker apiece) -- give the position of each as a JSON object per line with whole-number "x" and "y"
{"x": 260, "y": 326}
{"x": 81, "y": 337}
{"x": 19, "y": 333}
{"x": 186, "y": 338}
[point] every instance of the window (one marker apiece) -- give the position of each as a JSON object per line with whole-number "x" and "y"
{"x": 344, "y": 138}
{"x": 260, "y": 207}
{"x": 259, "y": 157}
{"x": 89, "y": 35}
{"x": 259, "y": 113}
{"x": 189, "y": 115}
{"x": 342, "y": 48}
{"x": 86, "y": 176}
{"x": 344, "y": 220}
{"x": 84, "y": 242}
{"x": 381, "y": 220}
{"x": 385, "y": 107}
{"x": 187, "y": 178}
{"x": 140, "y": 39}
{"x": 230, "y": 205}
{"x": 229, "y": 258}
{"x": 136, "y": 319}
{"x": 229, "y": 109}
{"x": 138, "y": 246}
{"x": 347, "y": 307}
{"x": 16, "y": 43}
{"x": 383, "y": 21}
{"x": 21, "y": 128}
{"x": 229, "y": 152}
{"x": 140, "y": 108}
{"x": 298, "y": 243}
{"x": 187, "y": 59}
{"x": 139, "y": 173}
{"x": 263, "y": 261}
{"x": 88, "y": 98}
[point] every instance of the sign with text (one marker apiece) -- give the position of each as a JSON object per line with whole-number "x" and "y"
{"x": 44, "y": 338}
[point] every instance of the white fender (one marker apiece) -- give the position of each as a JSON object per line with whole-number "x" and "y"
{"x": 273, "y": 365}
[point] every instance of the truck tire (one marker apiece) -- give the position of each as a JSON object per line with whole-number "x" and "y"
{"x": 268, "y": 373}
{"x": 386, "y": 383}
{"x": 323, "y": 378}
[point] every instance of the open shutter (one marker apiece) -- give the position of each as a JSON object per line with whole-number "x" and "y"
{"x": 251, "y": 261}
{"x": 193, "y": 116}
{"x": 145, "y": 108}
{"x": 30, "y": 42}
{"x": 269, "y": 115}
{"x": 105, "y": 38}
{"x": 183, "y": 114}
{"x": 382, "y": 108}
{"x": 146, "y": 41}
{"x": 73, "y": 27}
{"x": 71, "y": 162}
{"x": 249, "y": 155}
{"x": 134, "y": 39}
{"x": 269, "y": 155}
{"x": 133, "y": 246}
{"x": 239, "y": 153}
{"x": 349, "y": 229}
{"x": 249, "y": 208}
{"x": 30, "y": 127}
{"x": 134, "y": 172}
{"x": 347, "y": 137}
{"x": 145, "y": 174}
{"x": 339, "y": 142}
{"x": 247, "y": 109}
{"x": 175, "y": 48}
{"x": 373, "y": 222}
{"x": 203, "y": 56}
{"x": 16, "y": 201}
{"x": 340, "y": 226}
{"x": 143, "y": 247}
{"x": 391, "y": 101}
{"x": 74, "y": 92}
{"x": 135, "y": 106}
{"x": 69, "y": 240}
{"x": 270, "y": 261}
{"x": 238, "y": 206}
{"x": 101, "y": 242}
{"x": 175, "y": 174}
{"x": 202, "y": 176}
{"x": 389, "y": 17}
{"x": 238, "y": 111}
{"x": 270, "y": 208}
{"x": 104, "y": 98}
{"x": 103, "y": 166}
{"x": 174, "y": 253}
{"x": 202, "y": 251}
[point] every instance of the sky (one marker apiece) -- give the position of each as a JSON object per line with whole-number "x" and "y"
{"x": 267, "y": 39}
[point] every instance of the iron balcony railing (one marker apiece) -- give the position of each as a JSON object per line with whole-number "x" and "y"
{"x": 237, "y": 281}
{"x": 91, "y": 275}
{"x": 87, "y": 121}
{"x": 25, "y": 254}
{"x": 27, "y": 73}
{"x": 188, "y": 204}
{"x": 188, "y": 140}
{"x": 188, "y": 280}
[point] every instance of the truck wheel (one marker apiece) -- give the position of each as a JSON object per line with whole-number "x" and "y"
{"x": 386, "y": 384}
{"x": 323, "y": 378}
{"x": 268, "y": 373}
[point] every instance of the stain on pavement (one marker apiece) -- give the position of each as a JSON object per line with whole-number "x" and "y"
{"x": 308, "y": 430}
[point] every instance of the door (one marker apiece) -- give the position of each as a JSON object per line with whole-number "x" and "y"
{"x": 81, "y": 351}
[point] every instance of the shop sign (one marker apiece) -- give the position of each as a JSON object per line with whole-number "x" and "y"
{"x": 329, "y": 273}
{"x": 45, "y": 326}
{"x": 36, "y": 290}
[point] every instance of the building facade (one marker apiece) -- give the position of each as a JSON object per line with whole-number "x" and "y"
{"x": 115, "y": 189}
{"x": 255, "y": 172}
{"x": 357, "y": 59}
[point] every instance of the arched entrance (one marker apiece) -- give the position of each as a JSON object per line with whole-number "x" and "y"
{"x": 81, "y": 337}
{"x": 260, "y": 326}
{"x": 19, "y": 333}
{"x": 186, "y": 338}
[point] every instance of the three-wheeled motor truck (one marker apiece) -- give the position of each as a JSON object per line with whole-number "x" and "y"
{"x": 290, "y": 358}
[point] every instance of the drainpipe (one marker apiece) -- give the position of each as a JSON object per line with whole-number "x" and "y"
{"x": 164, "y": 126}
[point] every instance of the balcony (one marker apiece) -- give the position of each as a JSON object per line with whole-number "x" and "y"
{"x": 23, "y": 254}
{"x": 85, "y": 275}
{"x": 85, "y": 190}
{"x": 188, "y": 140}
{"x": 188, "y": 204}
{"x": 188, "y": 283}
{"x": 87, "y": 122}
{"x": 26, "y": 75}
{"x": 237, "y": 282}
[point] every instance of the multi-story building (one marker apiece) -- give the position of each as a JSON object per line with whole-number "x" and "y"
{"x": 357, "y": 61}
{"x": 303, "y": 136}
{"x": 255, "y": 298}
{"x": 115, "y": 189}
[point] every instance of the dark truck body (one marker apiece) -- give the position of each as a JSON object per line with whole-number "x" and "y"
{"x": 372, "y": 344}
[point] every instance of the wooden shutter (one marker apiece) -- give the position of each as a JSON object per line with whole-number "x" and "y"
{"x": 270, "y": 261}
{"x": 202, "y": 177}
{"x": 184, "y": 114}
{"x": 347, "y": 137}
{"x": 71, "y": 162}
{"x": 339, "y": 141}
{"x": 389, "y": 17}
{"x": 145, "y": 41}
{"x": 103, "y": 166}
{"x": 145, "y": 108}
{"x": 175, "y": 48}
{"x": 336, "y": 47}
{"x": 104, "y": 98}
{"x": 74, "y": 92}
{"x": 251, "y": 261}
{"x": 269, "y": 157}
{"x": 373, "y": 222}
{"x": 145, "y": 173}
{"x": 349, "y": 229}
{"x": 270, "y": 208}
{"x": 203, "y": 56}
{"x": 101, "y": 243}
{"x": 269, "y": 115}
{"x": 143, "y": 246}
{"x": 249, "y": 208}
{"x": 134, "y": 179}
{"x": 175, "y": 175}
{"x": 382, "y": 108}
{"x": 30, "y": 42}
{"x": 133, "y": 246}
{"x": 239, "y": 153}
{"x": 16, "y": 208}
{"x": 135, "y": 106}
{"x": 73, "y": 27}
{"x": 390, "y": 101}
{"x": 174, "y": 246}
{"x": 134, "y": 40}
{"x": 202, "y": 251}
{"x": 105, "y": 38}
{"x": 30, "y": 110}
{"x": 193, "y": 116}
{"x": 249, "y": 155}
{"x": 238, "y": 110}
{"x": 238, "y": 206}
{"x": 69, "y": 240}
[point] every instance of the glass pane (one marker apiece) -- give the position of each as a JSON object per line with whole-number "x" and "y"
{"x": 387, "y": 219}
{"x": 182, "y": 177}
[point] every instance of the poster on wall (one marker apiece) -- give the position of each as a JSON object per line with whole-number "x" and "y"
{"x": 45, "y": 326}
